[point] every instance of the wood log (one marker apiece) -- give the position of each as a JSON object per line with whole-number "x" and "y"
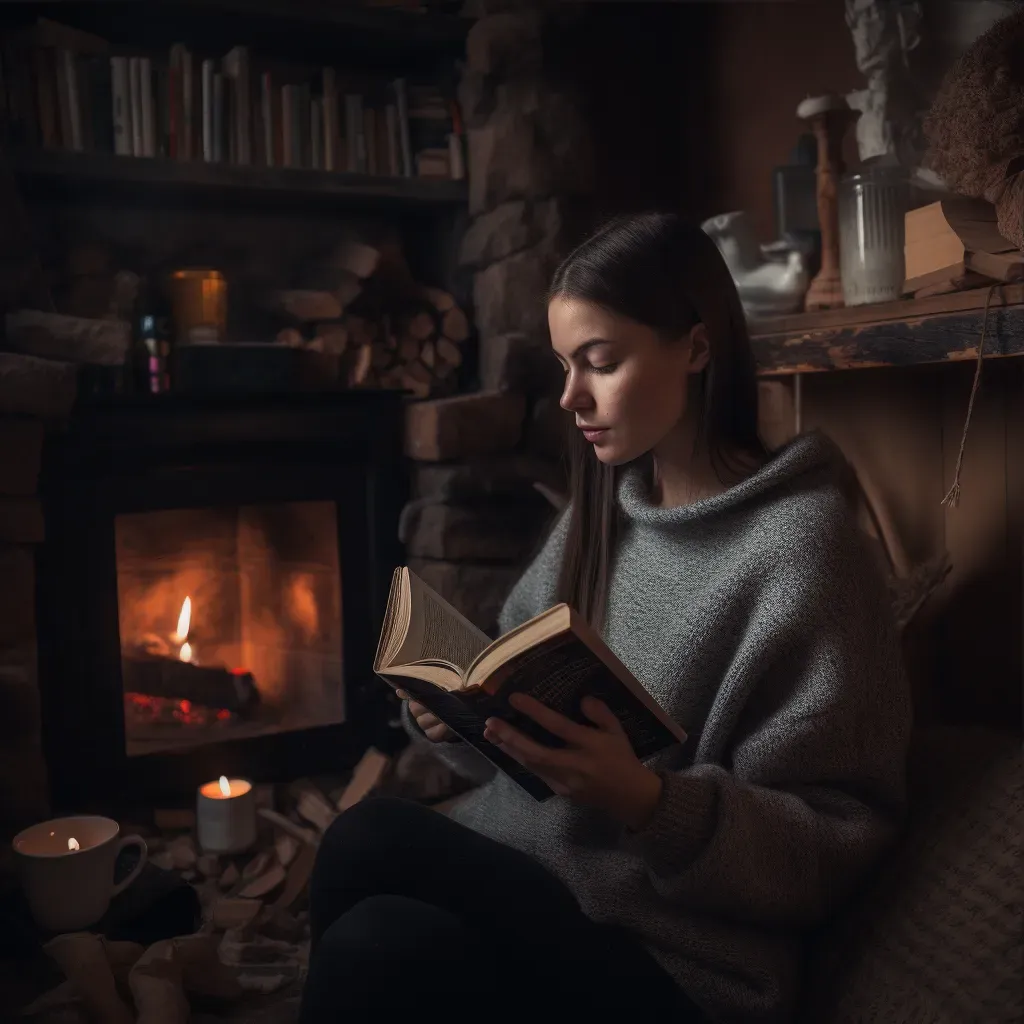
{"x": 358, "y": 259}
{"x": 208, "y": 685}
{"x": 264, "y": 884}
{"x": 304, "y": 835}
{"x": 366, "y": 776}
{"x": 428, "y": 354}
{"x": 70, "y": 338}
{"x": 455, "y": 325}
{"x": 308, "y": 305}
{"x": 448, "y": 352}
{"x": 314, "y": 807}
{"x": 440, "y": 300}
{"x": 421, "y": 327}
{"x": 408, "y": 349}
{"x": 360, "y": 372}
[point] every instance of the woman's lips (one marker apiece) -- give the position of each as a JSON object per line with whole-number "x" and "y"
{"x": 593, "y": 434}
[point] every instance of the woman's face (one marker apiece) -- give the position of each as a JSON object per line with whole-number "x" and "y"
{"x": 626, "y": 386}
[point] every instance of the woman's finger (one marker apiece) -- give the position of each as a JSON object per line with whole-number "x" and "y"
{"x": 522, "y": 748}
{"x": 554, "y": 722}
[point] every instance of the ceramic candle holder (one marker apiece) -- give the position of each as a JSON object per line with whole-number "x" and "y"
{"x": 67, "y": 869}
{"x": 226, "y": 815}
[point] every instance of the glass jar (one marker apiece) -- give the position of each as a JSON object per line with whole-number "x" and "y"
{"x": 872, "y": 206}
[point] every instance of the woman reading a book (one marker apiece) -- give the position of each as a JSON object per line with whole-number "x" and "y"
{"x": 735, "y": 585}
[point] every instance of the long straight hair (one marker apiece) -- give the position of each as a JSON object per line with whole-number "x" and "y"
{"x": 661, "y": 271}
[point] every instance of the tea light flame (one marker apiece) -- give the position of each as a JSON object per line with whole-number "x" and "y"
{"x": 73, "y": 844}
{"x": 225, "y": 786}
{"x": 185, "y": 654}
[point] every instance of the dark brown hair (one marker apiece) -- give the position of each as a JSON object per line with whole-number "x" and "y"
{"x": 658, "y": 270}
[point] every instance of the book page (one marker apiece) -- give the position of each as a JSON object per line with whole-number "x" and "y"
{"x": 437, "y": 632}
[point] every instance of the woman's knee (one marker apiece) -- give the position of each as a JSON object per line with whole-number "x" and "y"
{"x": 369, "y": 821}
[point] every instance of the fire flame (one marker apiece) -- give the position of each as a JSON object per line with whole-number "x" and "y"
{"x": 181, "y": 633}
{"x": 225, "y": 786}
{"x": 73, "y": 844}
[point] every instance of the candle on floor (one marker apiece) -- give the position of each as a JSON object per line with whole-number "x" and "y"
{"x": 226, "y": 815}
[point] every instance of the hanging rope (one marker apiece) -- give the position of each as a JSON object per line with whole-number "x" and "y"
{"x": 952, "y": 498}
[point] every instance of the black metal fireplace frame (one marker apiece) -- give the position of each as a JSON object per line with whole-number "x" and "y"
{"x": 134, "y": 454}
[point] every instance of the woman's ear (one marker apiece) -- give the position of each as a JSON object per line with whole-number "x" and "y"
{"x": 700, "y": 348}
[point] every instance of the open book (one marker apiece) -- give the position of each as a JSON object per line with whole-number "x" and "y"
{"x": 443, "y": 661}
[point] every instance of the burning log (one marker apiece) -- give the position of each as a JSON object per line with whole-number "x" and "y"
{"x": 210, "y": 685}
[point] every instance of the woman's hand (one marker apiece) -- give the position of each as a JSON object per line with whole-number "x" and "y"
{"x": 430, "y": 725}
{"x": 596, "y": 767}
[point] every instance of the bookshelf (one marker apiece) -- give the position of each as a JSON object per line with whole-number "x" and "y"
{"x": 90, "y": 176}
{"x": 322, "y": 30}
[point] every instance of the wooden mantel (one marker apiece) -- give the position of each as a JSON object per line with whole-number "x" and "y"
{"x": 944, "y": 328}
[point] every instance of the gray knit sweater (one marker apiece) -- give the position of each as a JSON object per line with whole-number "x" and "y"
{"x": 759, "y": 621}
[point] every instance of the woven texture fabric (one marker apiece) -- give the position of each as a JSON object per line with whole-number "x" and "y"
{"x": 935, "y": 936}
{"x": 758, "y": 620}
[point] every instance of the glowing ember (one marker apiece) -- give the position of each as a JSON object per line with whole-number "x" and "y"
{"x": 225, "y": 786}
{"x": 73, "y": 844}
{"x": 142, "y": 709}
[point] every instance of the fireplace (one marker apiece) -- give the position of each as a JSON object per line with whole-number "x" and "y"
{"x": 210, "y": 590}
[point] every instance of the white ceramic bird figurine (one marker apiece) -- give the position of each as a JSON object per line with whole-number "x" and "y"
{"x": 766, "y": 288}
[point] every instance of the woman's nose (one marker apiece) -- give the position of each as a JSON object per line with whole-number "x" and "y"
{"x": 574, "y": 395}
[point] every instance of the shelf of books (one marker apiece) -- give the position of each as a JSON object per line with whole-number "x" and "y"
{"x": 912, "y": 332}
{"x": 81, "y": 115}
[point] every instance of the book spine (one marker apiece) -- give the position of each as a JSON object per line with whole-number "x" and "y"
{"x": 402, "y": 103}
{"x": 370, "y": 139}
{"x": 135, "y": 87}
{"x": 267, "y": 106}
{"x": 236, "y": 69}
{"x": 287, "y": 108}
{"x": 121, "y": 106}
{"x": 394, "y": 142}
{"x": 316, "y": 128}
{"x": 302, "y": 123}
{"x": 85, "y": 67}
{"x": 101, "y": 100}
{"x": 73, "y": 100}
{"x": 208, "y": 108}
{"x": 146, "y": 100}
{"x": 63, "y": 95}
{"x": 219, "y": 110}
{"x": 351, "y": 144}
{"x": 330, "y": 118}
{"x": 187, "y": 135}
{"x": 174, "y": 103}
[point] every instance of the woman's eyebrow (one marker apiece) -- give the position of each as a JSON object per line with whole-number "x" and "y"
{"x": 593, "y": 343}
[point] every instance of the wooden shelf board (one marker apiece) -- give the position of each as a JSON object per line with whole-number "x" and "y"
{"x": 67, "y": 173}
{"x": 944, "y": 328}
{"x": 320, "y": 26}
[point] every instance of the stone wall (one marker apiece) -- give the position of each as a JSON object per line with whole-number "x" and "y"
{"x": 477, "y": 512}
{"x": 33, "y": 393}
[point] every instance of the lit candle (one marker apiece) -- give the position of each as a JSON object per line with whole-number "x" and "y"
{"x": 226, "y": 815}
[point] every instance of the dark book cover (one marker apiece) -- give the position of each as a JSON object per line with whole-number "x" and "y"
{"x": 559, "y": 673}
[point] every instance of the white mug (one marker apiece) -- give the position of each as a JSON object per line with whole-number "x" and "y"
{"x": 67, "y": 869}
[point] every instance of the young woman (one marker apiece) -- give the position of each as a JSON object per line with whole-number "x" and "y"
{"x": 735, "y": 585}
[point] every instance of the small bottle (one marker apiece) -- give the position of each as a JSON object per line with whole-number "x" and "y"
{"x": 153, "y": 373}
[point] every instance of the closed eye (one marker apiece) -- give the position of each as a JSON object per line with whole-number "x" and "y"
{"x": 606, "y": 368}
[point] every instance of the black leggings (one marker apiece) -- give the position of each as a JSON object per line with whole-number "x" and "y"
{"x": 411, "y": 911}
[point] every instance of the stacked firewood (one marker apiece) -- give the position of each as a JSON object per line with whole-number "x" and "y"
{"x": 386, "y": 329}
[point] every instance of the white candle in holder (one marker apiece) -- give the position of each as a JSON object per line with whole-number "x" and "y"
{"x": 226, "y": 815}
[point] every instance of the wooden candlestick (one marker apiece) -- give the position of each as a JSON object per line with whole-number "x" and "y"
{"x": 829, "y": 118}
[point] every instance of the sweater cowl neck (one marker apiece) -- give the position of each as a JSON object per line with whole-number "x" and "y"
{"x": 809, "y": 455}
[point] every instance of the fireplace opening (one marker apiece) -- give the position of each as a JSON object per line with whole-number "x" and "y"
{"x": 230, "y": 623}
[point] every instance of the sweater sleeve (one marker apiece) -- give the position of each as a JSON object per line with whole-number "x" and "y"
{"x": 815, "y": 785}
{"x": 530, "y": 596}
